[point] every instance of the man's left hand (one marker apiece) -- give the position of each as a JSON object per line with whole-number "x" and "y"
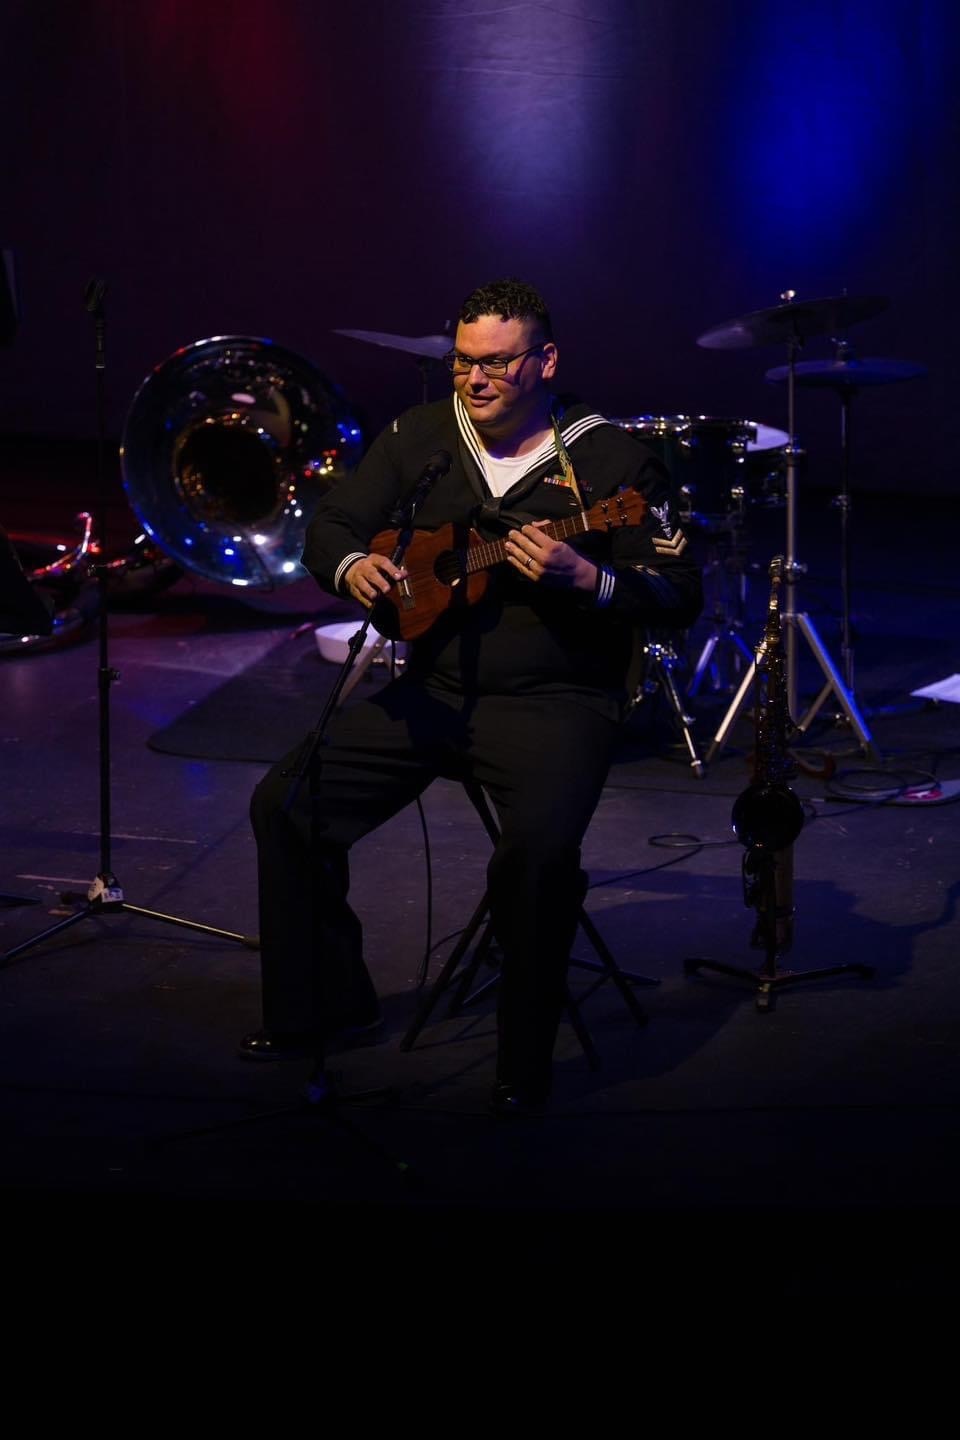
{"x": 548, "y": 562}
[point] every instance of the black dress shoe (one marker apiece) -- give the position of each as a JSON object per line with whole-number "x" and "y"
{"x": 363, "y": 1029}
{"x": 279, "y": 1045}
{"x": 507, "y": 1099}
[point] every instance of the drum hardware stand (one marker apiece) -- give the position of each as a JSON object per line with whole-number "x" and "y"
{"x": 797, "y": 623}
{"x": 725, "y": 632}
{"x": 660, "y": 662}
{"x": 105, "y": 895}
{"x": 727, "y": 620}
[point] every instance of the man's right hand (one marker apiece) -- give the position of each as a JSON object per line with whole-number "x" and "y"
{"x": 371, "y": 577}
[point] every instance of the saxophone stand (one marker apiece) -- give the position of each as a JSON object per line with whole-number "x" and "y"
{"x": 792, "y": 322}
{"x": 105, "y": 894}
{"x": 767, "y": 888}
{"x": 767, "y": 819}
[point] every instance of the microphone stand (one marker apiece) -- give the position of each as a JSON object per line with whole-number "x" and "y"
{"x": 320, "y": 1089}
{"x": 105, "y": 894}
{"x": 320, "y": 1092}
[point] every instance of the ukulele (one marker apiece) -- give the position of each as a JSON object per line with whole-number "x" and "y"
{"x": 449, "y": 568}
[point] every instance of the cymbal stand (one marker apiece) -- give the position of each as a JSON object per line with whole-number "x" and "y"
{"x": 796, "y": 623}
{"x": 105, "y": 895}
{"x": 842, "y": 503}
{"x": 426, "y": 364}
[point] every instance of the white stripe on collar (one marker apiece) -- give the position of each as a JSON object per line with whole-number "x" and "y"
{"x": 570, "y": 434}
{"x": 467, "y": 432}
{"x": 581, "y": 426}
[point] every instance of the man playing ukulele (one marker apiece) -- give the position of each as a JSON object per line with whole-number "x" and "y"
{"x": 519, "y": 689}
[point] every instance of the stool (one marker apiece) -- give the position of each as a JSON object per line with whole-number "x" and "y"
{"x": 605, "y": 966}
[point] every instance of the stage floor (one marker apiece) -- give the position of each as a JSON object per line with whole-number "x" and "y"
{"x": 823, "y": 1127}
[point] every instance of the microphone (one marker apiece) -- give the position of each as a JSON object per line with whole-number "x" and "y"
{"x": 434, "y": 470}
{"x": 93, "y": 295}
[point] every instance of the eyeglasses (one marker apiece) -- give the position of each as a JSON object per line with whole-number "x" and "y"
{"x": 495, "y": 366}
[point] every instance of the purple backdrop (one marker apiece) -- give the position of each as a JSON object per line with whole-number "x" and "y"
{"x": 656, "y": 167}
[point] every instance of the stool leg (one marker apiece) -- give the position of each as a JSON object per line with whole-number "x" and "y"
{"x": 607, "y": 969}
{"x": 621, "y": 978}
{"x": 445, "y": 978}
{"x": 582, "y": 1033}
{"x": 464, "y": 996}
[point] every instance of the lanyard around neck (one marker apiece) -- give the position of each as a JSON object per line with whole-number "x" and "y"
{"x": 566, "y": 464}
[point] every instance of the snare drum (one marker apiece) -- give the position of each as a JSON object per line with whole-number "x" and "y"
{"x": 705, "y": 456}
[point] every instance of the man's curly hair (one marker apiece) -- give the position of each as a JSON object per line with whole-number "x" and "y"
{"x": 511, "y": 300}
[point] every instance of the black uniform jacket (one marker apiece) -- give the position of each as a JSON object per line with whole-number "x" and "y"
{"x": 523, "y": 637}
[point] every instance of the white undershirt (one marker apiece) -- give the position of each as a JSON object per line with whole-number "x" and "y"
{"x": 500, "y": 474}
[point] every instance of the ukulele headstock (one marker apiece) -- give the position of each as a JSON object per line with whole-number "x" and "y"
{"x": 626, "y": 507}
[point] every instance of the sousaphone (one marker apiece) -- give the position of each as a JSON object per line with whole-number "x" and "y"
{"x": 227, "y": 449}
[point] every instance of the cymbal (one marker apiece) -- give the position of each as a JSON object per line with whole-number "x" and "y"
{"x": 429, "y": 347}
{"x": 797, "y": 319}
{"x": 849, "y": 374}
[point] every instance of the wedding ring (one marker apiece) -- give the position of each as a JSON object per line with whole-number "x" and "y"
{"x": 529, "y": 561}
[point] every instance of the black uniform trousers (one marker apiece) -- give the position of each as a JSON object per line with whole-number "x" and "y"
{"x": 542, "y": 758}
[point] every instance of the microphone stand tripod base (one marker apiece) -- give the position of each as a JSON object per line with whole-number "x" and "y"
{"x": 105, "y": 897}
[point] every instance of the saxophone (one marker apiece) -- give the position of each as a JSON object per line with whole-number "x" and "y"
{"x": 767, "y": 816}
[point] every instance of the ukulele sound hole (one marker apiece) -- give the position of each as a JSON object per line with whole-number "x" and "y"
{"x": 448, "y": 568}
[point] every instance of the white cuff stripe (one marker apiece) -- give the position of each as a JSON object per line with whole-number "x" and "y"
{"x": 605, "y": 586}
{"x": 345, "y": 564}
